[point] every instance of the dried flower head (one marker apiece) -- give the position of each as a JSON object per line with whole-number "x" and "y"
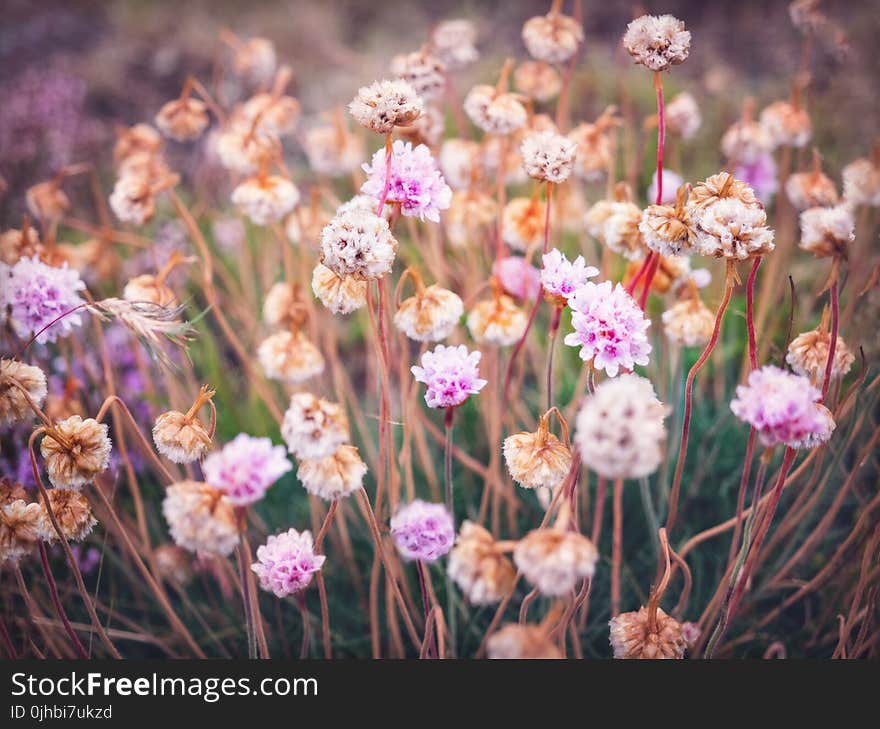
{"x": 286, "y": 562}
{"x": 200, "y": 518}
{"x": 46, "y": 201}
{"x": 668, "y": 229}
{"x": 335, "y": 476}
{"x": 21, "y": 527}
{"x": 459, "y": 159}
{"x": 609, "y": 327}
{"x": 595, "y": 146}
{"x": 643, "y": 635}
{"x": 133, "y": 200}
{"x": 479, "y": 567}
{"x": 422, "y": 70}
{"x": 17, "y": 244}
{"x": 746, "y": 141}
{"x": 422, "y": 530}
{"x": 254, "y": 59}
{"x": 827, "y": 232}
{"x": 619, "y": 430}
{"x": 266, "y": 199}
{"x": 452, "y": 41}
{"x": 553, "y": 38}
{"x": 683, "y": 116}
{"x": 333, "y": 150}
{"x": 657, "y": 42}
{"x": 183, "y": 119}
{"x": 245, "y": 468}
{"x": 282, "y": 307}
{"x": 808, "y": 355}
{"x": 810, "y": 190}
{"x": 784, "y": 408}
{"x": 72, "y": 514}
{"x": 861, "y": 182}
{"x": 560, "y": 278}
{"x": 140, "y": 139}
{"x": 689, "y": 323}
{"x": 497, "y": 321}
{"x": 522, "y": 223}
{"x": 173, "y": 563}
{"x": 357, "y": 243}
{"x": 384, "y": 105}
{"x": 340, "y": 294}
{"x": 428, "y": 129}
{"x": 430, "y": 314}
{"x": 149, "y": 288}
{"x": 451, "y": 375}
{"x": 787, "y": 124}
{"x": 470, "y": 212}
{"x": 548, "y": 156}
{"x": 42, "y": 300}
{"x": 616, "y": 225}
{"x": 416, "y": 183}
{"x": 244, "y": 148}
{"x": 76, "y": 451}
{"x": 274, "y": 113}
{"x": 313, "y": 427}
{"x": 289, "y": 357}
{"x": 537, "y": 80}
{"x": 182, "y": 437}
{"x": 537, "y": 460}
{"x": 554, "y": 560}
{"x": 730, "y": 228}
{"x": 515, "y": 641}
{"x": 495, "y": 111}
{"x": 16, "y": 379}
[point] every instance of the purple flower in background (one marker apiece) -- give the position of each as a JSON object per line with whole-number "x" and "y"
{"x": 518, "y": 277}
{"x": 422, "y": 530}
{"x": 87, "y": 558}
{"x": 760, "y": 175}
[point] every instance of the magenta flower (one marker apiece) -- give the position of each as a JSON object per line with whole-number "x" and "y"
{"x": 416, "y": 182}
{"x": 37, "y": 294}
{"x": 609, "y": 327}
{"x": 286, "y": 562}
{"x": 784, "y": 408}
{"x": 760, "y": 175}
{"x": 518, "y": 277}
{"x": 423, "y": 531}
{"x": 561, "y": 277}
{"x": 245, "y": 468}
{"x": 451, "y": 375}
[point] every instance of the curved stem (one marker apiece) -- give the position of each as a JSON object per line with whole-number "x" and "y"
{"x": 59, "y": 608}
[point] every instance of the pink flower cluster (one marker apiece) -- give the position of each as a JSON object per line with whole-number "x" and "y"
{"x": 609, "y": 327}
{"x": 416, "y": 182}
{"x": 784, "y": 408}
{"x": 518, "y": 277}
{"x": 286, "y": 562}
{"x": 422, "y": 530}
{"x": 37, "y": 295}
{"x": 245, "y": 468}
{"x": 451, "y": 374}
{"x": 561, "y": 277}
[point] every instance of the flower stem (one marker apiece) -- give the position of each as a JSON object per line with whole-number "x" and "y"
{"x": 551, "y": 347}
{"x": 59, "y": 608}
{"x": 617, "y": 547}
{"x": 389, "y": 154}
{"x": 450, "y": 505}
{"x": 832, "y": 344}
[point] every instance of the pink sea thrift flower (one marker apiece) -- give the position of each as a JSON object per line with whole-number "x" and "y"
{"x": 451, "y": 375}
{"x": 423, "y": 531}
{"x": 245, "y": 468}
{"x": 609, "y": 327}
{"x": 784, "y": 408}
{"x": 37, "y": 294}
{"x": 286, "y": 562}
{"x": 760, "y": 175}
{"x": 518, "y": 277}
{"x": 416, "y": 182}
{"x": 561, "y": 277}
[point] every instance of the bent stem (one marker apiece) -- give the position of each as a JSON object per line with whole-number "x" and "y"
{"x": 59, "y": 608}
{"x": 688, "y": 399}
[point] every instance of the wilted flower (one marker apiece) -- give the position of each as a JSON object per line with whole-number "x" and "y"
{"x": 616, "y": 225}
{"x": 430, "y": 314}
{"x": 548, "y": 156}
{"x": 689, "y": 323}
{"x": 282, "y": 307}
{"x": 335, "y": 476}
{"x": 17, "y": 244}
{"x": 609, "y": 327}
{"x": 289, "y": 357}
{"x": 497, "y": 321}
{"x": 783, "y": 408}
{"x": 200, "y": 518}
{"x": 245, "y": 468}
{"x": 827, "y": 232}
{"x": 861, "y": 182}
{"x": 657, "y": 42}
{"x": 243, "y": 148}
{"x": 451, "y": 375}
{"x": 537, "y": 80}
{"x": 340, "y": 294}
{"x": 266, "y": 199}
{"x": 637, "y": 635}
{"x": 683, "y": 115}
{"x": 275, "y": 113}
{"x": 730, "y": 228}
{"x": 595, "y": 147}
{"x": 16, "y": 376}
{"x": 133, "y": 200}
{"x": 313, "y": 427}
{"x": 358, "y": 243}
{"x": 416, "y": 183}
{"x": 537, "y": 460}
{"x": 423, "y": 71}
{"x": 746, "y": 140}
{"x": 72, "y": 514}
{"x": 554, "y": 560}
{"x": 21, "y": 528}
{"x": 422, "y": 530}
{"x": 254, "y": 58}
{"x": 140, "y": 139}
{"x": 522, "y": 223}
{"x": 808, "y": 355}
{"x": 286, "y": 562}
{"x": 668, "y": 229}
{"x": 479, "y": 567}
{"x": 183, "y": 119}
{"x": 76, "y": 451}
{"x": 459, "y": 159}
{"x": 40, "y": 297}
{"x": 619, "y": 430}
{"x": 494, "y": 111}
{"x": 386, "y": 104}
{"x": 333, "y": 150}
{"x": 553, "y": 38}
{"x": 46, "y": 201}
{"x": 787, "y": 124}
{"x": 173, "y": 563}
{"x": 515, "y": 641}
{"x": 561, "y": 277}
{"x": 182, "y": 437}
{"x": 452, "y": 41}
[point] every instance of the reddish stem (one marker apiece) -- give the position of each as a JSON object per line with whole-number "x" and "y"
{"x": 750, "y": 313}
{"x": 832, "y": 344}
{"x": 389, "y": 153}
{"x": 617, "y": 546}
{"x": 547, "y": 218}
{"x": 59, "y": 608}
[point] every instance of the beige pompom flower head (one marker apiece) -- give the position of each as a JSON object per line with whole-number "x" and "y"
{"x": 787, "y": 123}
{"x": 539, "y": 459}
{"x": 808, "y": 353}
{"x": 182, "y": 437}
{"x": 22, "y": 387}
{"x": 689, "y": 322}
{"x": 153, "y": 289}
{"x": 341, "y": 294}
{"x": 657, "y": 42}
{"x": 314, "y": 428}
{"x": 289, "y": 357}
{"x": 683, "y": 116}
{"x": 668, "y": 229}
{"x": 523, "y": 642}
{"x": 861, "y": 180}
{"x": 200, "y": 518}
{"x": 334, "y": 477}
{"x": 254, "y": 59}
{"x": 522, "y": 222}
{"x": 494, "y": 109}
{"x": 452, "y": 41}
{"x": 46, "y": 201}
{"x": 554, "y": 37}
{"x": 21, "y": 528}
{"x": 537, "y": 80}
{"x": 72, "y": 513}
{"x": 811, "y": 189}
{"x": 746, "y": 141}
{"x": 431, "y": 313}
{"x": 827, "y": 232}
{"x": 478, "y": 565}
{"x": 497, "y": 320}
{"x": 554, "y": 559}
{"x": 76, "y": 451}
{"x": 383, "y": 105}
{"x": 422, "y": 70}
{"x": 548, "y": 156}
{"x": 595, "y": 146}
{"x": 17, "y": 244}
{"x": 185, "y": 118}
